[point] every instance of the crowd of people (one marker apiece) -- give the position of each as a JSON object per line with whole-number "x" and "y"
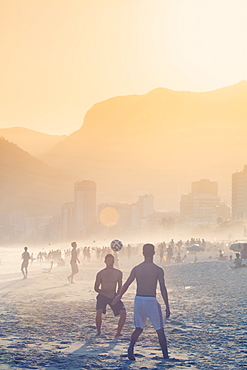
{"x": 108, "y": 282}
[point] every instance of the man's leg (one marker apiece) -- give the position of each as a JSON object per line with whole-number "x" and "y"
{"x": 71, "y": 278}
{"x": 163, "y": 342}
{"x": 135, "y": 335}
{"x": 98, "y": 321}
{"x": 121, "y": 322}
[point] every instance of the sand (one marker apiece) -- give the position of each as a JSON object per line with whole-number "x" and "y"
{"x": 47, "y": 323}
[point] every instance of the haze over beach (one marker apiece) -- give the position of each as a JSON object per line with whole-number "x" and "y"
{"x": 122, "y": 120}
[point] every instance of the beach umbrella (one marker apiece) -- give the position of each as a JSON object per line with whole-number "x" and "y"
{"x": 195, "y": 248}
{"x": 237, "y": 247}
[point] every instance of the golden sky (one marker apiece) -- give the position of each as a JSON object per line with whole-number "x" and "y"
{"x": 59, "y": 57}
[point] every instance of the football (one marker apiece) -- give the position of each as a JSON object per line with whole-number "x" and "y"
{"x": 116, "y": 245}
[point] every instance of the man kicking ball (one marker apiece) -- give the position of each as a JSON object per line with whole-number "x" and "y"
{"x": 147, "y": 274}
{"x": 107, "y": 280}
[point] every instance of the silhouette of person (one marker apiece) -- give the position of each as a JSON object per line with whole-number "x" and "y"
{"x": 238, "y": 260}
{"x": 169, "y": 253}
{"x": 147, "y": 274}
{"x": 108, "y": 283}
{"x": 26, "y": 257}
{"x": 73, "y": 263}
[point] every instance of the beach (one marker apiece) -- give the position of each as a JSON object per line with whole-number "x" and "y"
{"x": 47, "y": 323}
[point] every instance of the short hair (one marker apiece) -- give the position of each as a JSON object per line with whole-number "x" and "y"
{"x": 109, "y": 255}
{"x": 148, "y": 250}
{"x": 73, "y": 244}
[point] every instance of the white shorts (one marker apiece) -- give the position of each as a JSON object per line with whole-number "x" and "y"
{"x": 147, "y": 307}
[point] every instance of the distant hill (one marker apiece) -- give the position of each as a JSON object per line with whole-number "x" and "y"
{"x": 159, "y": 143}
{"x": 35, "y": 143}
{"x": 28, "y": 184}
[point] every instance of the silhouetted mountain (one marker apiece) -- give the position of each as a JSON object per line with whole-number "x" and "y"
{"x": 159, "y": 142}
{"x": 33, "y": 142}
{"x": 28, "y": 184}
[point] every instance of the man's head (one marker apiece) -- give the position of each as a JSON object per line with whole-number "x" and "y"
{"x": 25, "y": 249}
{"x": 148, "y": 250}
{"x": 73, "y": 244}
{"x": 109, "y": 260}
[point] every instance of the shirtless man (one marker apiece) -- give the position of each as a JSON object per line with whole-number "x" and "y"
{"x": 26, "y": 257}
{"x": 147, "y": 274}
{"x": 108, "y": 283}
{"x": 73, "y": 263}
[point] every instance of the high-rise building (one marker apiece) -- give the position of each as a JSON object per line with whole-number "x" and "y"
{"x": 85, "y": 208}
{"x": 239, "y": 195}
{"x": 201, "y": 205}
{"x": 146, "y": 205}
{"x": 204, "y": 187}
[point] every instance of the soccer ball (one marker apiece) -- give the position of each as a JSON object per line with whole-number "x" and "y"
{"x": 116, "y": 245}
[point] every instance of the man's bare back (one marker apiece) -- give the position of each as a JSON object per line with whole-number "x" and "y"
{"x": 147, "y": 287}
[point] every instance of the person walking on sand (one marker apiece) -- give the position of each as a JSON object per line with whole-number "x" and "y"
{"x": 26, "y": 257}
{"x": 73, "y": 263}
{"x": 147, "y": 274}
{"x": 108, "y": 283}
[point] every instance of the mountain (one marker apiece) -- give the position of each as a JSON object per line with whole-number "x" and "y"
{"x": 30, "y": 185}
{"x": 33, "y": 142}
{"x": 159, "y": 143}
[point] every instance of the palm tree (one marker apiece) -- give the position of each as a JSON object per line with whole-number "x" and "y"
{"x": 167, "y": 223}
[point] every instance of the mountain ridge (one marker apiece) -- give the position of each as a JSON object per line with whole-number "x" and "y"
{"x": 30, "y": 185}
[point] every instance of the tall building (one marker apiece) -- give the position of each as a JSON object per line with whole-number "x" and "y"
{"x": 202, "y": 204}
{"x": 85, "y": 208}
{"x": 146, "y": 205}
{"x": 141, "y": 210}
{"x": 204, "y": 187}
{"x": 239, "y": 195}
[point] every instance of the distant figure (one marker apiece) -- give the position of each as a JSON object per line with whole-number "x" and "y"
{"x": 178, "y": 258}
{"x": 238, "y": 261}
{"x": 184, "y": 258}
{"x": 26, "y": 257}
{"x": 73, "y": 263}
{"x": 107, "y": 280}
{"x": 221, "y": 254}
{"x": 169, "y": 253}
{"x": 147, "y": 274}
{"x": 162, "y": 247}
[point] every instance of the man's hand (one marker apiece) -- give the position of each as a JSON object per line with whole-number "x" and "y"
{"x": 116, "y": 300}
{"x": 168, "y": 312}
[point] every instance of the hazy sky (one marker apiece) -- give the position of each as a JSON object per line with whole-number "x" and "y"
{"x": 59, "y": 57}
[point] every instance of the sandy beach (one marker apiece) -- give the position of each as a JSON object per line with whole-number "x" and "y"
{"x": 47, "y": 323}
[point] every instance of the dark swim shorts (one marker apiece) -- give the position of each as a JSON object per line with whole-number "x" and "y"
{"x": 103, "y": 301}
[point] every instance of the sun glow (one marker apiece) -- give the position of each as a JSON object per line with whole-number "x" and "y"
{"x": 206, "y": 42}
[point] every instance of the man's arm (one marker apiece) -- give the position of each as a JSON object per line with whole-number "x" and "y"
{"x": 119, "y": 282}
{"x": 124, "y": 288}
{"x": 97, "y": 283}
{"x": 77, "y": 257}
{"x": 164, "y": 292}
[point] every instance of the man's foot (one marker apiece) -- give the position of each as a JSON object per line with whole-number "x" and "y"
{"x": 131, "y": 353}
{"x": 68, "y": 278}
{"x": 118, "y": 335}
